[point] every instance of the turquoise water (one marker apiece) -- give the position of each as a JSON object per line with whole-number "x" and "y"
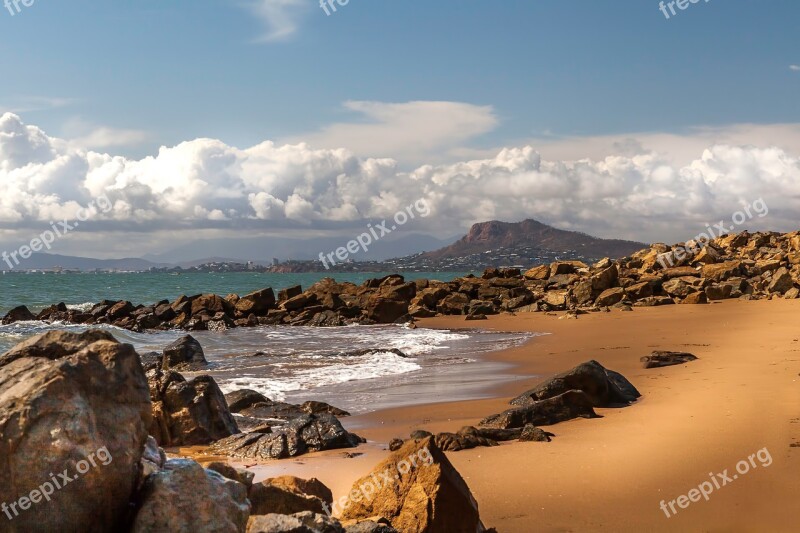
{"x": 40, "y": 290}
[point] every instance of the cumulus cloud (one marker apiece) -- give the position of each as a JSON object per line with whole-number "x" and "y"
{"x": 279, "y": 17}
{"x": 794, "y": 68}
{"x": 205, "y": 184}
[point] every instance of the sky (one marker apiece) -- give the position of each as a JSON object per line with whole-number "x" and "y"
{"x": 240, "y": 118}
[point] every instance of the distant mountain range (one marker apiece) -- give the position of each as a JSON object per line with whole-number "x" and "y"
{"x": 494, "y": 235}
{"x": 491, "y": 243}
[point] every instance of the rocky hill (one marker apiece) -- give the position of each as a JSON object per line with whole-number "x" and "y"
{"x": 494, "y": 235}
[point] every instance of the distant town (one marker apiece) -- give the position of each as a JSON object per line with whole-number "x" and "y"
{"x": 515, "y": 256}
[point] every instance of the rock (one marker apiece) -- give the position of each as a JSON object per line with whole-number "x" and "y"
{"x": 395, "y": 444}
{"x": 297, "y": 523}
{"x": 420, "y": 434}
{"x": 289, "y": 293}
{"x": 531, "y": 433}
{"x": 187, "y": 413}
{"x": 571, "y": 404}
{"x": 185, "y": 498}
{"x": 428, "y": 496}
{"x": 540, "y": 272}
{"x": 680, "y": 287}
{"x": 257, "y": 303}
{"x": 695, "y": 298}
{"x": 369, "y": 526}
{"x": 267, "y": 498}
{"x": 307, "y": 433}
{"x": 120, "y": 310}
{"x": 453, "y": 304}
{"x": 243, "y": 476}
{"x": 211, "y": 304}
{"x": 660, "y": 359}
{"x": 184, "y": 354}
{"x": 312, "y": 408}
{"x": 244, "y": 398}
{"x": 781, "y": 281}
{"x": 605, "y": 279}
{"x": 453, "y": 442}
{"x": 605, "y": 388}
{"x": 610, "y": 297}
{"x": 76, "y": 403}
{"x": 478, "y": 316}
{"x": 556, "y": 300}
{"x": 309, "y": 487}
{"x": 18, "y": 314}
{"x": 722, "y": 271}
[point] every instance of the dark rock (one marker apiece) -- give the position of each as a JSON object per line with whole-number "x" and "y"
{"x": 18, "y": 314}
{"x": 308, "y": 433}
{"x": 184, "y": 354}
{"x": 257, "y": 303}
{"x": 660, "y": 359}
{"x": 569, "y": 405}
{"x": 531, "y": 433}
{"x": 604, "y": 388}
{"x": 395, "y": 444}
{"x": 244, "y": 398}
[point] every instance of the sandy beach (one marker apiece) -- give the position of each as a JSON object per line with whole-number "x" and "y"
{"x": 611, "y": 473}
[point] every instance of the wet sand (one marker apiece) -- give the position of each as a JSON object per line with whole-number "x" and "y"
{"x": 611, "y": 473}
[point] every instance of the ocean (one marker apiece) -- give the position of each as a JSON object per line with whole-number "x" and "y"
{"x": 286, "y": 363}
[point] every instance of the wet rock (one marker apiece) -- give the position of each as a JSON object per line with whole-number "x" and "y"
{"x": 185, "y": 353}
{"x": 18, "y": 314}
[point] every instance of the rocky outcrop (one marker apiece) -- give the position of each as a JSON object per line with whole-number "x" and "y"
{"x": 660, "y": 359}
{"x": 186, "y": 498}
{"x": 289, "y": 495}
{"x": 744, "y": 265}
{"x": 429, "y": 496}
{"x": 77, "y": 404}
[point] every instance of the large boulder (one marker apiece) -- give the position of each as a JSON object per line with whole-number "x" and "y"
{"x": 289, "y": 495}
{"x": 77, "y": 405}
{"x": 604, "y": 387}
{"x": 184, "y": 354}
{"x": 426, "y": 494}
{"x": 187, "y": 413}
{"x": 186, "y": 498}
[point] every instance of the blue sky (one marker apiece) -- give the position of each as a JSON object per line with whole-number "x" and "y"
{"x": 185, "y": 69}
{"x": 256, "y": 117}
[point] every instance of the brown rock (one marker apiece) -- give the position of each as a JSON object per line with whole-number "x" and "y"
{"x": 428, "y": 497}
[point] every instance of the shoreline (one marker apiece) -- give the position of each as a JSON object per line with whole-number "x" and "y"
{"x": 692, "y": 419}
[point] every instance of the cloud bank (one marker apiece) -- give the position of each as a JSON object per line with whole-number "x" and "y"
{"x": 206, "y": 184}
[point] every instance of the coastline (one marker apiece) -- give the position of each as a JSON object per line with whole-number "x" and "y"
{"x": 740, "y": 396}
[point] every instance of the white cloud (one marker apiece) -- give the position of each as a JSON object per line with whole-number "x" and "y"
{"x": 795, "y": 68}
{"x": 205, "y": 185}
{"x": 280, "y": 17}
{"x": 410, "y": 131}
